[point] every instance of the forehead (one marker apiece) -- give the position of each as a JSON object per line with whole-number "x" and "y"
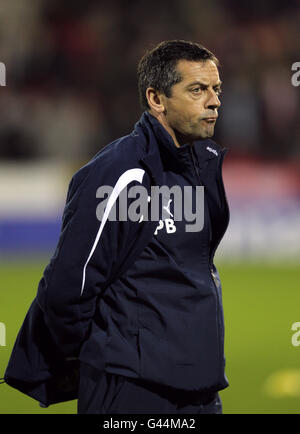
{"x": 206, "y": 72}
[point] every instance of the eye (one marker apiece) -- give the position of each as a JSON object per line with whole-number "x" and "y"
{"x": 196, "y": 90}
{"x": 218, "y": 92}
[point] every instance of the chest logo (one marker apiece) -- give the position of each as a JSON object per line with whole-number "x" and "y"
{"x": 167, "y": 222}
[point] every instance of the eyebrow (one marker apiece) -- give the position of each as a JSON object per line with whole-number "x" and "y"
{"x": 203, "y": 84}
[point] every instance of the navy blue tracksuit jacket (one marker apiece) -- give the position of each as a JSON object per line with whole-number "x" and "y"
{"x": 135, "y": 298}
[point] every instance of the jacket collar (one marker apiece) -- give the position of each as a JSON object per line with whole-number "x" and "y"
{"x": 156, "y": 135}
{"x": 151, "y": 157}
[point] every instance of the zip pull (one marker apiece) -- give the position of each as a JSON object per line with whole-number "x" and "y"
{"x": 214, "y": 276}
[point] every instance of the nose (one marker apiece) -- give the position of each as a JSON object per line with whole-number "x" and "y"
{"x": 213, "y": 101}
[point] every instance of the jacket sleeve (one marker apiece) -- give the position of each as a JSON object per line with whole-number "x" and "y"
{"x": 82, "y": 264}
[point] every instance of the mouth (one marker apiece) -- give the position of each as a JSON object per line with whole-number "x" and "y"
{"x": 211, "y": 120}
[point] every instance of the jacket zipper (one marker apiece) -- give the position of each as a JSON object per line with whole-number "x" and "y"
{"x": 210, "y": 235}
{"x": 210, "y": 266}
{"x": 195, "y": 165}
{"x": 226, "y": 208}
{"x": 213, "y": 277}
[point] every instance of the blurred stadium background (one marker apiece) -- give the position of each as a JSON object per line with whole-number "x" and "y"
{"x": 71, "y": 89}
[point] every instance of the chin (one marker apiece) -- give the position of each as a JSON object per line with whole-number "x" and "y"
{"x": 208, "y": 134}
{"x": 205, "y": 135}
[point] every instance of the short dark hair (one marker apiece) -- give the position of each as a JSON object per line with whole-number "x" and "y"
{"x": 157, "y": 68}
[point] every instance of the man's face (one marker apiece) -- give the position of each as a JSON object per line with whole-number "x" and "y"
{"x": 192, "y": 109}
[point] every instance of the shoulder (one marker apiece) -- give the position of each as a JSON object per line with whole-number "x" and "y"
{"x": 123, "y": 152}
{"x": 109, "y": 164}
{"x": 120, "y": 153}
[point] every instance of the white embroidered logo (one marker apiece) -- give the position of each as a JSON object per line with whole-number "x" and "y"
{"x": 212, "y": 150}
{"x": 167, "y": 208}
{"x": 169, "y": 223}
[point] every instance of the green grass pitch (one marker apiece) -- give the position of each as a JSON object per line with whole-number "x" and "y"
{"x": 261, "y": 302}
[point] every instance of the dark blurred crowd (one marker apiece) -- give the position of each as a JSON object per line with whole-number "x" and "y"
{"x": 71, "y": 72}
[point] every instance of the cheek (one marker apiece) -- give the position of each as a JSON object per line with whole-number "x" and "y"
{"x": 180, "y": 121}
{"x": 174, "y": 114}
{"x": 180, "y": 112}
{"x": 184, "y": 114}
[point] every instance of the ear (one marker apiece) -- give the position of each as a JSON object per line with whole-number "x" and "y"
{"x": 155, "y": 100}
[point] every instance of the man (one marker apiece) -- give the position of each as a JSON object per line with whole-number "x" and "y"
{"x": 138, "y": 301}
